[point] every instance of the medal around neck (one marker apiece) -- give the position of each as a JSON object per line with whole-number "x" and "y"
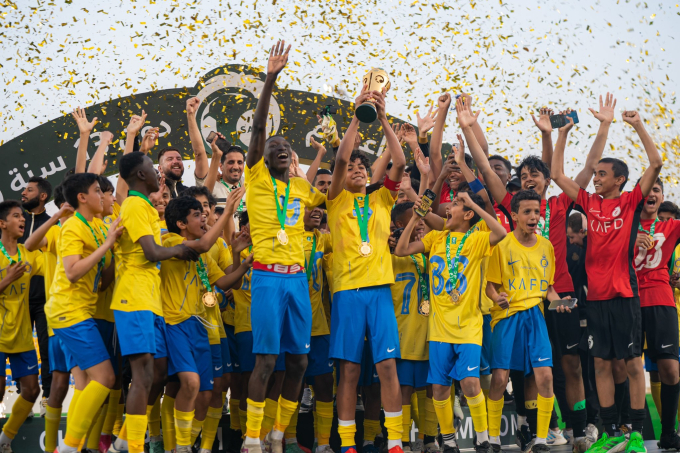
{"x": 375, "y": 80}
{"x": 365, "y": 249}
{"x": 455, "y": 296}
{"x": 282, "y": 236}
{"x": 209, "y": 299}
{"x": 424, "y": 308}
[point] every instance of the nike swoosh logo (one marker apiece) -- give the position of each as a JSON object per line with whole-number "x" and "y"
{"x": 484, "y": 369}
{"x": 31, "y": 367}
{"x": 211, "y": 381}
{"x": 375, "y": 376}
{"x": 510, "y": 263}
{"x": 390, "y": 350}
{"x": 330, "y": 364}
{"x": 572, "y": 346}
{"x": 630, "y": 345}
{"x": 306, "y": 346}
{"x": 218, "y": 368}
{"x": 228, "y": 364}
{"x": 666, "y": 346}
{"x": 237, "y": 365}
{"x": 473, "y": 368}
{"x": 543, "y": 360}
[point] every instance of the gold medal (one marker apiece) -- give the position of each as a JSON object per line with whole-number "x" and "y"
{"x": 455, "y": 296}
{"x": 282, "y": 236}
{"x": 424, "y": 308}
{"x": 365, "y": 249}
{"x": 651, "y": 246}
{"x": 209, "y": 299}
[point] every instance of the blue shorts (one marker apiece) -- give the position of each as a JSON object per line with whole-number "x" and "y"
{"x": 22, "y": 363}
{"x": 369, "y": 374}
{"x": 412, "y": 372}
{"x": 359, "y": 313}
{"x": 107, "y": 330}
{"x": 651, "y": 366}
{"x": 217, "y": 365}
{"x": 233, "y": 348}
{"x": 485, "y": 364}
{"x": 190, "y": 351}
{"x": 246, "y": 356}
{"x": 57, "y": 353}
{"x": 318, "y": 362}
{"x": 227, "y": 366}
{"x": 83, "y": 344}
{"x": 521, "y": 342}
{"x": 141, "y": 332}
{"x": 280, "y": 313}
{"x": 450, "y": 361}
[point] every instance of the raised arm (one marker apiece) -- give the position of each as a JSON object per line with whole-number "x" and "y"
{"x": 208, "y": 240}
{"x": 320, "y": 153}
{"x": 379, "y": 167}
{"x": 215, "y": 163}
{"x": 37, "y": 240}
{"x": 133, "y": 128}
{"x": 437, "y": 138}
{"x": 75, "y": 266}
{"x": 196, "y": 139}
{"x": 154, "y": 252}
{"x": 655, "y": 162}
{"x": 497, "y": 231}
{"x": 404, "y": 247}
{"x": 476, "y": 127}
{"x": 85, "y": 127}
{"x": 426, "y": 123}
{"x": 565, "y": 183}
{"x": 543, "y": 125}
{"x": 97, "y": 165}
{"x": 278, "y": 57}
{"x": 474, "y": 183}
{"x": 605, "y": 116}
{"x": 398, "y": 158}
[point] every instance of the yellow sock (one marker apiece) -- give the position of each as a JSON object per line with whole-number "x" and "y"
{"x": 291, "y": 429}
{"x": 545, "y": 408}
{"x": 212, "y": 420}
{"x": 112, "y": 409}
{"x": 72, "y": 406}
{"x": 371, "y": 429}
{"x": 430, "y": 427}
{"x": 196, "y": 427}
{"x": 52, "y": 419}
{"x": 168, "y": 420}
{"x": 270, "y": 408}
{"x": 415, "y": 415}
{"x": 183, "y": 423}
{"x": 495, "y": 414}
{"x": 243, "y": 421}
{"x": 478, "y": 412}
{"x": 91, "y": 399}
{"x": 393, "y": 423}
{"x": 255, "y": 414}
{"x": 324, "y": 422}
{"x": 284, "y": 414}
{"x": 118, "y": 423}
{"x": 656, "y": 396}
{"x": 153, "y": 414}
{"x": 136, "y": 432}
{"x": 234, "y": 414}
{"x": 122, "y": 434}
{"x": 444, "y": 410}
{"x": 406, "y": 423}
{"x": 347, "y": 429}
{"x": 96, "y": 429}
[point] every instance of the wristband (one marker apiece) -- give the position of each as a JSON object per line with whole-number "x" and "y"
{"x": 391, "y": 185}
{"x": 476, "y": 185}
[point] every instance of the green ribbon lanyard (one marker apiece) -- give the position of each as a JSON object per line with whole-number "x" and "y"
{"x": 281, "y": 210}
{"x": 651, "y": 230}
{"x": 453, "y": 276}
{"x": 422, "y": 283}
{"x": 545, "y": 231}
{"x": 134, "y": 193}
{"x": 240, "y": 204}
{"x": 362, "y": 219}
{"x": 203, "y": 273}
{"x": 308, "y": 268}
{"x": 451, "y": 194}
{"x": 100, "y": 265}
{"x": 4, "y": 252}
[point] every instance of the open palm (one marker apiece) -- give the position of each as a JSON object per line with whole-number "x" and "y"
{"x": 278, "y": 57}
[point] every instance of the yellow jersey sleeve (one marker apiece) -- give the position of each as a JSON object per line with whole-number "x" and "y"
{"x": 242, "y": 300}
{"x": 224, "y": 260}
{"x": 350, "y": 269}
{"x": 137, "y": 279}
{"x": 406, "y": 297}
{"x": 264, "y": 221}
{"x": 220, "y": 260}
{"x": 103, "y": 307}
{"x": 316, "y": 279}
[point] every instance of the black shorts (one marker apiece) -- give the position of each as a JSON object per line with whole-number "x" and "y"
{"x": 564, "y": 329}
{"x": 615, "y": 328}
{"x": 660, "y": 325}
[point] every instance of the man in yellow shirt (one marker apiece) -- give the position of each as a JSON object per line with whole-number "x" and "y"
{"x": 17, "y": 266}
{"x": 362, "y": 272}
{"x": 455, "y": 328}
{"x": 279, "y": 286}
{"x": 520, "y": 276}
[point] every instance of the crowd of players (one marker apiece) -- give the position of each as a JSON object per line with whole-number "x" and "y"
{"x": 269, "y": 284}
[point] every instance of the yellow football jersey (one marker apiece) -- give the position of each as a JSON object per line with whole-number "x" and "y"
{"x": 327, "y": 298}
{"x": 227, "y": 307}
{"x": 461, "y": 322}
{"x": 71, "y": 303}
{"x": 350, "y": 269}
{"x": 524, "y": 273}
{"x": 242, "y": 299}
{"x": 406, "y": 297}
{"x": 487, "y": 303}
{"x": 181, "y": 287}
{"x": 221, "y": 255}
{"x": 16, "y": 329}
{"x": 264, "y": 222}
{"x": 137, "y": 279}
{"x": 103, "y": 307}
{"x": 50, "y": 262}
{"x": 316, "y": 280}
{"x": 164, "y": 227}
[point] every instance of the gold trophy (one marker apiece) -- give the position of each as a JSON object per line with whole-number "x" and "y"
{"x": 375, "y": 80}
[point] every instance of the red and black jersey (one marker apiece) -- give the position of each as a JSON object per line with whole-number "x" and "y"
{"x": 612, "y": 230}
{"x": 652, "y": 265}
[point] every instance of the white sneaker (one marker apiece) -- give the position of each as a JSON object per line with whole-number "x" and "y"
{"x": 306, "y": 403}
{"x": 569, "y": 435}
{"x": 43, "y": 407}
{"x": 250, "y": 448}
{"x": 273, "y": 445}
{"x": 6, "y": 448}
{"x": 555, "y": 437}
{"x": 360, "y": 404}
{"x": 324, "y": 449}
{"x": 418, "y": 446}
{"x": 592, "y": 433}
{"x": 432, "y": 447}
{"x": 457, "y": 410}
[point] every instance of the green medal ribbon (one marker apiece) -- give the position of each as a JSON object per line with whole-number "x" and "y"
{"x": 229, "y": 189}
{"x": 134, "y": 193}
{"x": 281, "y": 210}
{"x": 545, "y": 231}
{"x": 100, "y": 265}
{"x": 451, "y": 194}
{"x": 651, "y": 230}
{"x": 203, "y": 273}
{"x": 422, "y": 283}
{"x": 362, "y": 219}
{"x": 453, "y": 276}
{"x": 308, "y": 267}
{"x": 4, "y": 252}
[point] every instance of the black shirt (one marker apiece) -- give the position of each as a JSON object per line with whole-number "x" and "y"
{"x": 176, "y": 188}
{"x": 36, "y": 293}
{"x": 576, "y": 263}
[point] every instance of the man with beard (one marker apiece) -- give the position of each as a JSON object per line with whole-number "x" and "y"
{"x": 171, "y": 166}
{"x": 33, "y": 199}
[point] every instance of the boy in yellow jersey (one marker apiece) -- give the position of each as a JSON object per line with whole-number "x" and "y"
{"x": 520, "y": 276}
{"x": 136, "y": 299}
{"x": 319, "y": 372}
{"x": 17, "y": 266}
{"x": 79, "y": 276}
{"x": 279, "y": 286}
{"x": 362, "y": 273}
{"x": 160, "y": 201}
{"x": 455, "y": 330}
